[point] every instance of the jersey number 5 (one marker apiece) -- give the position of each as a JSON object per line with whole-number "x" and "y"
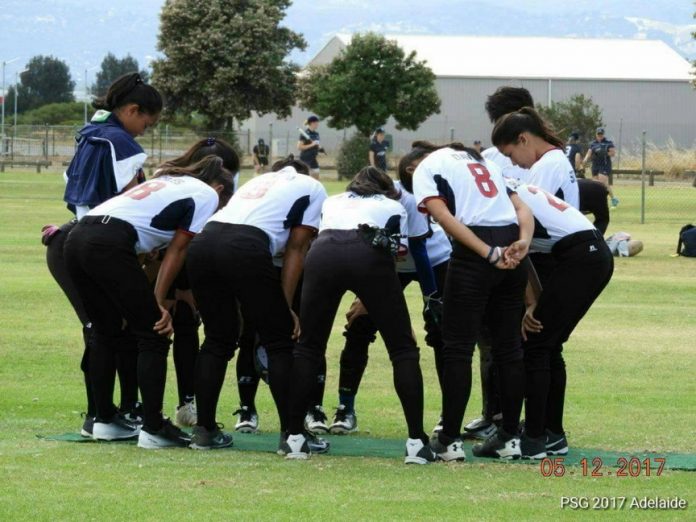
{"x": 553, "y": 201}
{"x": 144, "y": 190}
{"x": 483, "y": 180}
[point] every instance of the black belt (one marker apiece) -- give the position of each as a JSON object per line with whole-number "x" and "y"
{"x": 574, "y": 239}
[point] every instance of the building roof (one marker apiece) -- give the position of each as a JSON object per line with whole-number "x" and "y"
{"x": 536, "y": 57}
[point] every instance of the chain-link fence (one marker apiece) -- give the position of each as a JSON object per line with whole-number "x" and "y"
{"x": 653, "y": 184}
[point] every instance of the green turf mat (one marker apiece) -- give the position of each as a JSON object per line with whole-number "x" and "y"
{"x": 357, "y": 446}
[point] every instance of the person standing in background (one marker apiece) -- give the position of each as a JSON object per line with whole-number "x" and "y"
{"x": 601, "y": 151}
{"x": 309, "y": 145}
{"x": 260, "y": 154}
{"x": 478, "y": 146}
{"x": 574, "y": 154}
{"x": 378, "y": 150}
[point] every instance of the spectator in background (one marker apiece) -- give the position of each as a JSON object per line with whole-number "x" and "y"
{"x": 478, "y": 147}
{"x": 574, "y": 154}
{"x": 378, "y": 150}
{"x": 309, "y": 145}
{"x": 261, "y": 153}
{"x": 601, "y": 151}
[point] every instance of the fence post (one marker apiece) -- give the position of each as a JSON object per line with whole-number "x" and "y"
{"x": 451, "y": 134}
{"x": 618, "y": 159}
{"x": 642, "y": 184}
{"x": 46, "y": 142}
{"x": 270, "y": 141}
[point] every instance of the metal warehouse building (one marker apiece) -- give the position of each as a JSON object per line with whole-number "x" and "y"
{"x": 639, "y": 84}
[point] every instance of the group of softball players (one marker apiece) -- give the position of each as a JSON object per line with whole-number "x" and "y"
{"x": 508, "y": 262}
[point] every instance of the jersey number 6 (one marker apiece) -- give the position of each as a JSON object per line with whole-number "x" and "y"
{"x": 483, "y": 180}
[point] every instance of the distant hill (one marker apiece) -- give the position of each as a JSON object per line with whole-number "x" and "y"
{"x": 82, "y": 32}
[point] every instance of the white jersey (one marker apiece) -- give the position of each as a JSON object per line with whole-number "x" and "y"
{"x": 438, "y": 245}
{"x": 348, "y": 211}
{"x": 509, "y": 169}
{"x": 275, "y": 203}
{"x": 554, "y": 219}
{"x": 160, "y": 207}
{"x": 474, "y": 191}
{"x": 554, "y": 173}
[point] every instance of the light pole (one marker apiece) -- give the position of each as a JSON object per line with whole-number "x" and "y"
{"x": 2, "y": 122}
{"x": 16, "y": 95}
{"x": 87, "y": 91}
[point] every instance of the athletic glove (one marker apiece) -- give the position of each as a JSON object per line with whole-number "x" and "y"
{"x": 432, "y": 307}
{"x": 380, "y": 238}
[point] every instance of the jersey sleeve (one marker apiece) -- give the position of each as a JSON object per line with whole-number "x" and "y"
{"x": 206, "y": 203}
{"x": 425, "y": 186}
{"x": 417, "y": 222}
{"x": 312, "y": 216}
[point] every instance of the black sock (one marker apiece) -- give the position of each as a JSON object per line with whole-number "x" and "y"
{"x": 210, "y": 376}
{"x": 127, "y": 368}
{"x": 280, "y": 364}
{"x": 152, "y": 374}
{"x": 305, "y": 368}
{"x": 556, "y": 397}
{"x": 408, "y": 382}
{"x": 84, "y": 366}
{"x": 102, "y": 377}
{"x": 537, "y": 392}
{"x": 247, "y": 377}
{"x": 457, "y": 385}
{"x": 185, "y": 350}
{"x": 511, "y": 384}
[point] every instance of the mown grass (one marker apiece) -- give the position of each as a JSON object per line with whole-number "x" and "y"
{"x": 631, "y": 387}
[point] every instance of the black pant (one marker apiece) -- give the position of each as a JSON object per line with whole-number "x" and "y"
{"x": 101, "y": 259}
{"x": 126, "y": 358}
{"x": 477, "y": 293}
{"x": 362, "y": 332}
{"x": 583, "y": 267}
{"x": 340, "y": 261}
{"x": 226, "y": 264}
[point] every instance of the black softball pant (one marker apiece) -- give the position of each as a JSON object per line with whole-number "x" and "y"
{"x": 341, "y": 261}
{"x": 228, "y": 264}
{"x": 127, "y": 356}
{"x": 583, "y": 267}
{"x": 476, "y": 294}
{"x": 362, "y": 332}
{"x": 101, "y": 260}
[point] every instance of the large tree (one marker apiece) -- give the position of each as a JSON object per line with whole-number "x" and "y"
{"x": 112, "y": 68}
{"x": 370, "y": 81}
{"x": 226, "y": 58}
{"x": 577, "y": 114}
{"x": 45, "y": 80}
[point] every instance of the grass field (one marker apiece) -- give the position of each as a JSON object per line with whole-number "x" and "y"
{"x": 631, "y": 370}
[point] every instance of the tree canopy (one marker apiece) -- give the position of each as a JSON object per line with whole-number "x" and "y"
{"x": 578, "y": 114}
{"x": 226, "y": 58}
{"x": 45, "y": 80}
{"x": 112, "y": 68}
{"x": 370, "y": 81}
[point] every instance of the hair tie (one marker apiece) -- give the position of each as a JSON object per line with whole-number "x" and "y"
{"x": 210, "y": 142}
{"x": 138, "y": 79}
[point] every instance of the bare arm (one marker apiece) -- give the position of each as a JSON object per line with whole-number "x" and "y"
{"x": 518, "y": 250}
{"x": 611, "y": 152}
{"x": 587, "y": 156}
{"x": 170, "y": 267}
{"x": 372, "y": 158}
{"x": 293, "y": 264}
{"x": 304, "y": 146}
{"x": 578, "y": 161}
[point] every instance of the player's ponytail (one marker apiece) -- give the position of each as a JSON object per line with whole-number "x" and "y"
{"x": 206, "y": 147}
{"x": 371, "y": 181}
{"x": 507, "y": 129}
{"x": 209, "y": 170}
{"x": 420, "y": 149}
{"x": 127, "y": 89}
{"x": 289, "y": 161}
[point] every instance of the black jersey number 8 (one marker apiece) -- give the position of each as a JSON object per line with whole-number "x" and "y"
{"x": 483, "y": 180}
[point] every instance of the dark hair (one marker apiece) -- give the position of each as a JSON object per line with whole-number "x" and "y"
{"x": 209, "y": 170}
{"x": 300, "y": 166}
{"x": 370, "y": 181}
{"x": 422, "y": 148}
{"x": 130, "y": 88}
{"x": 508, "y": 129}
{"x": 208, "y": 147}
{"x": 506, "y": 100}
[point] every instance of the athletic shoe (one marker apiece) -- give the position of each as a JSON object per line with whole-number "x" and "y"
{"x": 186, "y": 415}
{"x": 479, "y": 429}
{"x": 500, "y": 445}
{"x": 247, "y": 420}
{"x": 344, "y": 421}
{"x": 295, "y": 447}
{"x": 418, "y": 453}
{"x": 205, "y": 439}
{"x": 452, "y": 451}
{"x": 87, "y": 426}
{"x": 315, "y": 420}
{"x": 533, "y": 448}
{"x": 168, "y": 436}
{"x": 135, "y": 414}
{"x": 438, "y": 427}
{"x": 315, "y": 444}
{"x": 116, "y": 428}
{"x": 614, "y": 202}
{"x": 556, "y": 444}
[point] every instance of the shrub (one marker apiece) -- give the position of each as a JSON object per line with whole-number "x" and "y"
{"x": 352, "y": 156}
{"x": 68, "y": 113}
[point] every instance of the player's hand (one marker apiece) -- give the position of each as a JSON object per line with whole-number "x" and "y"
{"x": 47, "y": 233}
{"x": 296, "y": 331}
{"x": 316, "y": 144}
{"x": 356, "y": 310}
{"x": 516, "y": 252}
{"x": 164, "y": 325}
{"x": 505, "y": 263}
{"x": 530, "y": 323}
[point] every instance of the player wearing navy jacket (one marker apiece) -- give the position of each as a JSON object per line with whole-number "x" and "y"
{"x": 231, "y": 262}
{"x": 485, "y": 283}
{"x": 361, "y": 232}
{"x": 101, "y": 254}
{"x": 107, "y": 161}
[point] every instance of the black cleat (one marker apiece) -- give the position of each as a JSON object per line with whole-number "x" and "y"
{"x": 501, "y": 445}
{"x": 205, "y": 439}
